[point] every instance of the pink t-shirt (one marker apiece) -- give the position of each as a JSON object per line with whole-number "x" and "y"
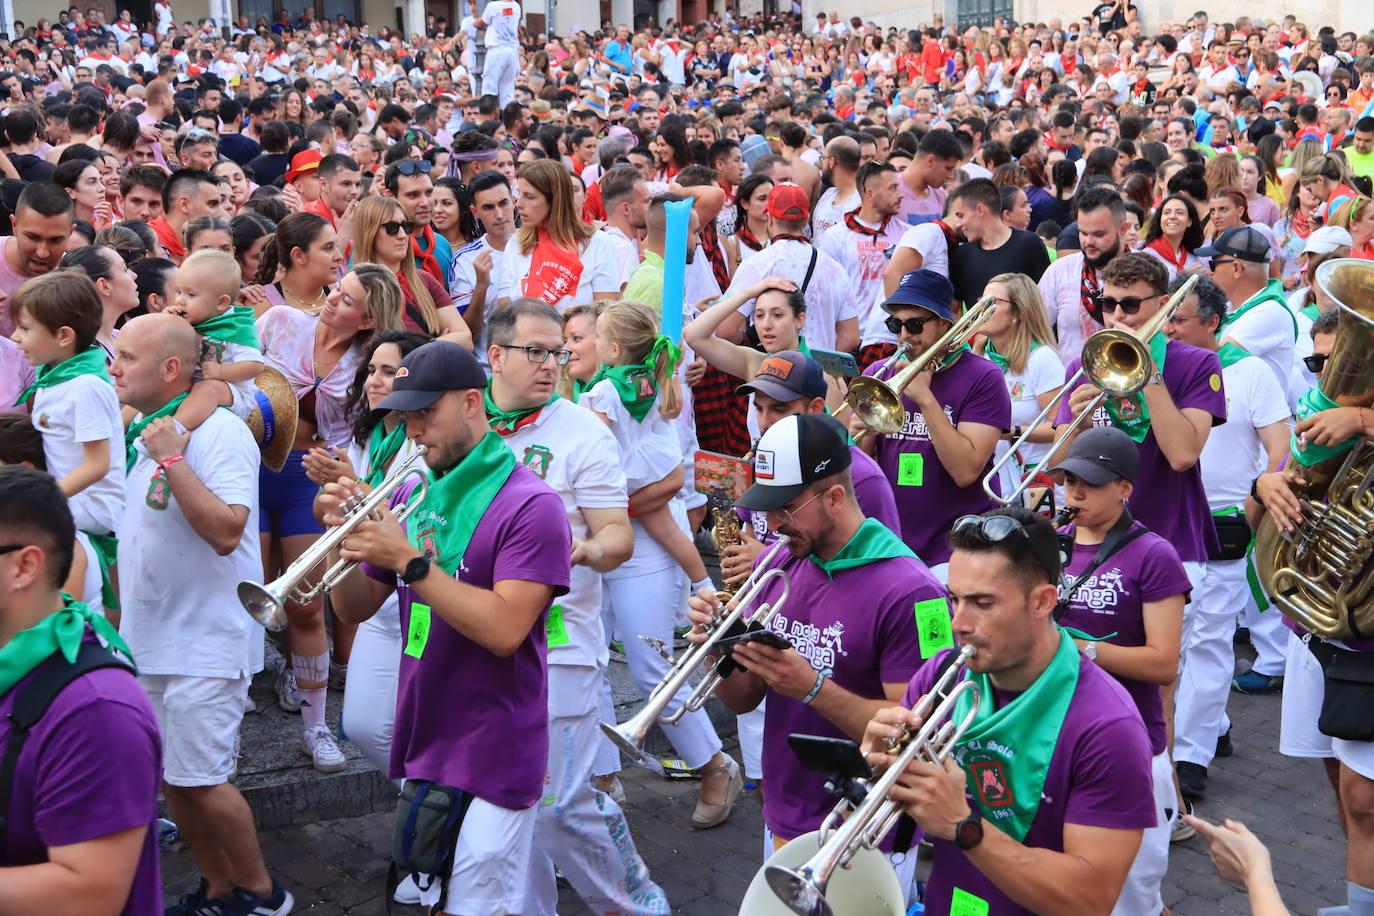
{"x": 10, "y": 281}
{"x": 920, "y": 208}
{"x": 15, "y": 375}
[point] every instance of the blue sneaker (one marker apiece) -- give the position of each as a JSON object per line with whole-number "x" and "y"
{"x": 242, "y": 903}
{"x": 1254, "y": 683}
{"x": 195, "y": 903}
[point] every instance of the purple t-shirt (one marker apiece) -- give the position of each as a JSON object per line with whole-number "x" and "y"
{"x": 71, "y": 786}
{"x": 1099, "y": 776}
{"x": 971, "y": 390}
{"x": 458, "y": 706}
{"x": 1171, "y": 503}
{"x": 1113, "y": 600}
{"x": 871, "y": 490}
{"x": 860, "y": 628}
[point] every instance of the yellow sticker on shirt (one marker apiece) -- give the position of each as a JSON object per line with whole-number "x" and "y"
{"x": 417, "y": 634}
{"x": 1215, "y": 382}
{"x": 911, "y": 468}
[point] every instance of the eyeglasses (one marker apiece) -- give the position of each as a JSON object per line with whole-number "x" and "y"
{"x": 538, "y": 355}
{"x": 1315, "y": 362}
{"x": 792, "y": 513}
{"x": 394, "y": 227}
{"x": 11, "y": 548}
{"x": 409, "y": 167}
{"x": 1129, "y": 305}
{"x": 1214, "y": 263}
{"x": 995, "y": 529}
{"x": 912, "y": 325}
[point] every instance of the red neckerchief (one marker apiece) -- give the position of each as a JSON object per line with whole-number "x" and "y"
{"x": 422, "y": 243}
{"x": 710, "y": 243}
{"x": 729, "y": 194}
{"x": 1162, "y": 247}
{"x": 783, "y": 236}
{"x": 1049, "y": 141}
{"x": 851, "y": 219}
{"x": 951, "y": 239}
{"x": 555, "y": 271}
{"x": 507, "y": 431}
{"x": 1089, "y": 290}
{"x": 745, "y": 235}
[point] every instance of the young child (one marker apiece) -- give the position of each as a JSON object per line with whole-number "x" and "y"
{"x": 635, "y": 393}
{"x": 230, "y": 355}
{"x": 73, "y": 400}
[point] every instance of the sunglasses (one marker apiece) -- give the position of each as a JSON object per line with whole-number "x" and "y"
{"x": 912, "y": 325}
{"x": 1315, "y": 362}
{"x": 996, "y": 529}
{"x": 1129, "y": 305}
{"x": 409, "y": 167}
{"x": 1214, "y": 263}
{"x": 394, "y": 227}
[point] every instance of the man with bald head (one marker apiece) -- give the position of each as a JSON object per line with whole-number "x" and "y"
{"x": 840, "y": 167}
{"x": 188, "y": 537}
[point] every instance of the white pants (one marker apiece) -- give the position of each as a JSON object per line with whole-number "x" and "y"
{"x": 580, "y": 830}
{"x": 369, "y": 704}
{"x": 646, "y": 605}
{"x": 1304, "y": 686}
{"x": 498, "y": 74}
{"x": 491, "y": 864}
{"x": 1140, "y": 894}
{"x": 1208, "y": 660}
{"x": 1269, "y": 637}
{"x": 750, "y": 726}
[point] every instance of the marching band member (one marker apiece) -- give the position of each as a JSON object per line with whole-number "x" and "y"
{"x": 955, "y": 414}
{"x": 579, "y": 829}
{"x": 1126, "y": 586}
{"x": 848, "y": 617}
{"x": 1045, "y": 814}
{"x": 479, "y": 564}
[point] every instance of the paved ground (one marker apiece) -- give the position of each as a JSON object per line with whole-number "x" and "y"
{"x": 337, "y": 866}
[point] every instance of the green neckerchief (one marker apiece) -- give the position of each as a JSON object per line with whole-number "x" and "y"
{"x": 802, "y": 346}
{"x": 991, "y": 353}
{"x": 1007, "y": 752}
{"x": 1311, "y": 310}
{"x": 61, "y": 631}
{"x": 949, "y": 360}
{"x": 443, "y": 524}
{"x": 88, "y": 362}
{"x": 1310, "y": 453}
{"x": 505, "y": 421}
{"x": 579, "y": 388}
{"x": 1231, "y": 353}
{"x": 233, "y": 326}
{"x": 873, "y": 541}
{"x": 137, "y": 426}
{"x": 382, "y": 446}
{"x": 1135, "y": 420}
{"x": 1272, "y": 292}
{"x": 106, "y": 547}
{"x": 635, "y": 383}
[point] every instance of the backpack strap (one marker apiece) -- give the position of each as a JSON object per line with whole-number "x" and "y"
{"x": 52, "y": 677}
{"x": 810, "y": 269}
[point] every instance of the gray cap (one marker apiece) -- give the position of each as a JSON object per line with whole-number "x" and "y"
{"x": 1100, "y": 455}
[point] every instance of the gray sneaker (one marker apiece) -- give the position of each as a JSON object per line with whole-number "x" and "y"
{"x": 288, "y": 697}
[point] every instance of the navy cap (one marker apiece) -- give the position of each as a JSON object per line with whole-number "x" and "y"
{"x": 924, "y": 289}
{"x": 787, "y": 376}
{"x": 429, "y": 372}
{"x": 1100, "y": 455}
{"x": 1245, "y": 243}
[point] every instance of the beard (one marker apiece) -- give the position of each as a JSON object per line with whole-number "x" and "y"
{"x": 1102, "y": 259}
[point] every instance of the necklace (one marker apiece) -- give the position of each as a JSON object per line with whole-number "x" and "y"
{"x": 312, "y": 306}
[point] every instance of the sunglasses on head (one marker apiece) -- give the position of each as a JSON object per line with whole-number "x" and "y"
{"x": 1129, "y": 305}
{"x": 1315, "y": 362}
{"x": 912, "y": 325}
{"x": 995, "y": 529}
{"x": 409, "y": 167}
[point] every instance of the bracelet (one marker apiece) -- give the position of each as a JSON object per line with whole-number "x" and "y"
{"x": 815, "y": 688}
{"x": 168, "y": 462}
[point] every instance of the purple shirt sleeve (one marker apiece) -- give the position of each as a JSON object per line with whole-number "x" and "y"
{"x": 988, "y": 400}
{"x": 1064, "y": 414}
{"x": 537, "y": 545}
{"x": 1161, "y": 571}
{"x": 1194, "y": 380}
{"x": 1111, "y": 783}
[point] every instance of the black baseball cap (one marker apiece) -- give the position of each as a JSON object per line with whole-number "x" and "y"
{"x": 429, "y": 372}
{"x": 1100, "y": 455}
{"x": 1245, "y": 243}
{"x": 796, "y": 452}
{"x": 788, "y": 376}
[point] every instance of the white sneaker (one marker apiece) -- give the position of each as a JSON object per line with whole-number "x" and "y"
{"x": 407, "y": 892}
{"x": 317, "y": 742}
{"x": 288, "y": 697}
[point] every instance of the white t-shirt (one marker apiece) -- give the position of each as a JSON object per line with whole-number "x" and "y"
{"x": 600, "y": 272}
{"x": 672, "y": 62}
{"x": 1061, "y": 288}
{"x": 69, "y": 414}
{"x": 650, "y": 449}
{"x": 503, "y": 23}
{"x": 830, "y": 297}
{"x": 1267, "y": 331}
{"x": 926, "y": 239}
{"x": 1044, "y": 372}
{"x": 462, "y": 280}
{"x": 626, "y": 253}
{"x": 864, "y": 258}
{"x": 181, "y": 613}
{"x": 830, "y": 210}
{"x": 244, "y": 393}
{"x": 1234, "y": 456}
{"x": 575, "y": 454}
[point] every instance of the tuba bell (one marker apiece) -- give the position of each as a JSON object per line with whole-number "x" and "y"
{"x": 1321, "y": 575}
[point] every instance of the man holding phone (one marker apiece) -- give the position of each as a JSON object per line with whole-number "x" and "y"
{"x": 848, "y": 617}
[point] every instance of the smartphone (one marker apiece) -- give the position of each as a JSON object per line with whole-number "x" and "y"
{"x": 764, "y": 637}
{"x": 835, "y": 362}
{"x": 831, "y": 756}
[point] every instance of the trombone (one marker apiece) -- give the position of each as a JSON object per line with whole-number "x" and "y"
{"x": 266, "y": 603}
{"x": 631, "y": 734}
{"x": 1115, "y": 360}
{"x": 878, "y": 403}
{"x": 802, "y": 889}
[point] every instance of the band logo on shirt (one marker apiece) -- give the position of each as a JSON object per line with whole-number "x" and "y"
{"x": 1101, "y": 592}
{"x": 819, "y": 646}
{"x": 994, "y": 791}
{"x": 211, "y": 351}
{"x": 915, "y": 425}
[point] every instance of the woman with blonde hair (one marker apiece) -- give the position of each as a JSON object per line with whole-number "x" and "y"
{"x": 556, "y": 256}
{"x": 1329, "y": 180}
{"x": 1018, "y": 339}
{"x": 1303, "y": 153}
{"x": 381, "y": 236}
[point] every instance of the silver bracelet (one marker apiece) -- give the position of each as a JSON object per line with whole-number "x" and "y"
{"x": 815, "y": 688}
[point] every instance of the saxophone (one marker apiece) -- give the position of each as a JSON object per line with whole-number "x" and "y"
{"x": 1321, "y": 575}
{"x": 725, "y": 532}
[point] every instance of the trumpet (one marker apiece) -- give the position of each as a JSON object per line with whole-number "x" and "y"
{"x": 1114, "y": 360}
{"x": 266, "y": 602}
{"x": 864, "y": 826}
{"x": 878, "y": 403}
{"x": 631, "y": 734}
{"x": 897, "y": 356}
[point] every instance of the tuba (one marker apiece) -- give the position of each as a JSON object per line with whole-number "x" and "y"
{"x": 1321, "y": 576}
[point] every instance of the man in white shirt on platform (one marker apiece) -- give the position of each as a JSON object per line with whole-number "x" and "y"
{"x": 501, "y": 19}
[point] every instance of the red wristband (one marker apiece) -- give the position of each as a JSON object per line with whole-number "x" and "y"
{"x": 168, "y": 462}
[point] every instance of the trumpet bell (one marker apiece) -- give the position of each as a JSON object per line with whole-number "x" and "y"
{"x": 1117, "y": 362}
{"x": 263, "y": 605}
{"x": 876, "y": 404}
{"x": 629, "y": 737}
{"x": 867, "y": 886}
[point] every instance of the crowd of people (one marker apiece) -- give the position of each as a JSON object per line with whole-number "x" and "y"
{"x": 251, "y": 273}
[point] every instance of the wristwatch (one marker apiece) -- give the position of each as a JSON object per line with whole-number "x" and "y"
{"x": 1157, "y": 378}
{"x": 968, "y": 833}
{"x": 415, "y": 570}
{"x": 1090, "y": 650}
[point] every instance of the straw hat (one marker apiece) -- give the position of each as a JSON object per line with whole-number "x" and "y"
{"x": 273, "y": 421}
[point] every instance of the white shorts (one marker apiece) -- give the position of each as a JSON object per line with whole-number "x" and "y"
{"x": 244, "y": 399}
{"x": 199, "y": 719}
{"x": 1303, "y": 688}
{"x": 492, "y": 863}
{"x": 1140, "y": 895}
